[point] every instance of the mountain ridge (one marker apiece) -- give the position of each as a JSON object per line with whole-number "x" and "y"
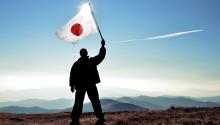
{"x": 136, "y": 103}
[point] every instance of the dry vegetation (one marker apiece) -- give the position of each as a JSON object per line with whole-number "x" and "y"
{"x": 173, "y": 116}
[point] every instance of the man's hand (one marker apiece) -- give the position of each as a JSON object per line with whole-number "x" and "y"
{"x": 72, "y": 89}
{"x": 103, "y": 42}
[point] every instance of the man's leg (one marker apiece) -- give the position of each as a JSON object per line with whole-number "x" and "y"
{"x": 77, "y": 108}
{"x": 94, "y": 97}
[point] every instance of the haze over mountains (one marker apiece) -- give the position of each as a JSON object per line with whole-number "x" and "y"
{"x": 135, "y": 103}
{"x": 54, "y": 93}
{"x": 59, "y": 92}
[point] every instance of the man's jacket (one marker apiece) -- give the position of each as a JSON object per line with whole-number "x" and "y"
{"x": 84, "y": 71}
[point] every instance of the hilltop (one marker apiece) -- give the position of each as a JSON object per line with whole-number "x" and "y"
{"x": 172, "y": 116}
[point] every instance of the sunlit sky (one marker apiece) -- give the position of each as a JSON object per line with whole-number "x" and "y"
{"x": 31, "y": 56}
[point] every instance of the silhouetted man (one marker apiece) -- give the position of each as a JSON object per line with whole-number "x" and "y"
{"x": 83, "y": 78}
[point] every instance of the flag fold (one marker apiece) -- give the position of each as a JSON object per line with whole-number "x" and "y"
{"x": 79, "y": 27}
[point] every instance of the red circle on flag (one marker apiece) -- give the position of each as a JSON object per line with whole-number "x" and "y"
{"x": 77, "y": 29}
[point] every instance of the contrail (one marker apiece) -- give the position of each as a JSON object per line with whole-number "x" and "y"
{"x": 171, "y": 35}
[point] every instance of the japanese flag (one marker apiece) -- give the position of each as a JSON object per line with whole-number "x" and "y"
{"x": 79, "y": 27}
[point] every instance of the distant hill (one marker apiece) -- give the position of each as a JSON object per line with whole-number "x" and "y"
{"x": 27, "y": 110}
{"x": 47, "y": 104}
{"x": 137, "y": 103}
{"x": 109, "y": 105}
{"x": 166, "y": 102}
{"x": 215, "y": 99}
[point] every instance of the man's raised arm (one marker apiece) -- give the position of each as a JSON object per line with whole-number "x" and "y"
{"x": 103, "y": 43}
{"x": 102, "y": 52}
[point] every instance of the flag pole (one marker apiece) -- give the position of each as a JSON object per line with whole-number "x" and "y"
{"x": 93, "y": 15}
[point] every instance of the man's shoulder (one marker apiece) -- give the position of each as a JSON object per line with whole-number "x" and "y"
{"x": 75, "y": 63}
{"x": 91, "y": 58}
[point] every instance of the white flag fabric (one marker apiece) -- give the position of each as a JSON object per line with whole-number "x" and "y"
{"x": 79, "y": 27}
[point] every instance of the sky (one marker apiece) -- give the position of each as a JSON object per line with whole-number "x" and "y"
{"x": 169, "y": 47}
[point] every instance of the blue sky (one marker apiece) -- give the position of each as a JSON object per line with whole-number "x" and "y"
{"x": 29, "y": 47}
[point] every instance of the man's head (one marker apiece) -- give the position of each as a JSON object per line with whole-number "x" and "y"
{"x": 83, "y": 52}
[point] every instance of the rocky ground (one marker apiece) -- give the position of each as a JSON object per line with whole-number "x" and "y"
{"x": 172, "y": 116}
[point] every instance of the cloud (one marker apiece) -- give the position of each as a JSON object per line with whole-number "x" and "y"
{"x": 171, "y": 35}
